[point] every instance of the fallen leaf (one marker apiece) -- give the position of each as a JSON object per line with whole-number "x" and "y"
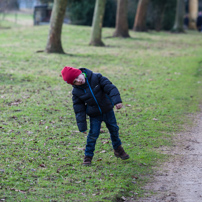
{"x": 21, "y": 191}
{"x": 143, "y": 164}
{"x": 83, "y": 149}
{"x": 75, "y": 131}
{"x": 123, "y": 198}
{"x": 177, "y": 73}
{"x": 128, "y": 105}
{"x": 100, "y": 159}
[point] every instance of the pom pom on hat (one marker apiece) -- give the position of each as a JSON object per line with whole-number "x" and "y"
{"x": 69, "y": 74}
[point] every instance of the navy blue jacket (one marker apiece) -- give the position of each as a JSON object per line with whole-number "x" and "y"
{"x": 96, "y": 97}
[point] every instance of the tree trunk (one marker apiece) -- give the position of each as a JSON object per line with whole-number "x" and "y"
{"x": 122, "y": 19}
{"x": 96, "y": 33}
{"x": 140, "y": 18}
{"x": 179, "y": 17}
{"x": 54, "y": 44}
{"x": 159, "y": 15}
{"x": 193, "y": 13}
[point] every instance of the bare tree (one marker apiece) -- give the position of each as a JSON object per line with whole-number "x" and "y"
{"x": 159, "y": 13}
{"x": 140, "y": 18}
{"x": 193, "y": 13}
{"x": 122, "y": 19}
{"x": 8, "y": 5}
{"x": 96, "y": 33}
{"x": 54, "y": 44}
{"x": 179, "y": 17}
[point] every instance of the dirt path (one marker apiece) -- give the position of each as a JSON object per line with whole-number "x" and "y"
{"x": 180, "y": 179}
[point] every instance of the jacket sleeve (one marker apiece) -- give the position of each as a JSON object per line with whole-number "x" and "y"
{"x": 80, "y": 113}
{"x": 110, "y": 89}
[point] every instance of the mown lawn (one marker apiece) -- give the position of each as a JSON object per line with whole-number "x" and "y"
{"x": 159, "y": 76}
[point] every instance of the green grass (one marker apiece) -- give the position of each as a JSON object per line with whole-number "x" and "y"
{"x": 41, "y": 151}
{"x": 15, "y": 19}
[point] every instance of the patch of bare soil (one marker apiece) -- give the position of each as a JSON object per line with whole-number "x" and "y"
{"x": 180, "y": 179}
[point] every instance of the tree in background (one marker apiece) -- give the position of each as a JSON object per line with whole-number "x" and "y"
{"x": 193, "y": 13}
{"x": 6, "y": 5}
{"x": 121, "y": 19}
{"x": 179, "y": 17}
{"x": 81, "y": 12}
{"x": 140, "y": 18}
{"x": 159, "y": 12}
{"x": 96, "y": 33}
{"x": 54, "y": 44}
{"x": 109, "y": 19}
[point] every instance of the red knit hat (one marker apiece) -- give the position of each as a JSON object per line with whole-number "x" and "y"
{"x": 69, "y": 74}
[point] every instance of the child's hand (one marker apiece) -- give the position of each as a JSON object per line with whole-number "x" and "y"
{"x": 119, "y": 105}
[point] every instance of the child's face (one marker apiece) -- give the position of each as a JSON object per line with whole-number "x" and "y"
{"x": 79, "y": 80}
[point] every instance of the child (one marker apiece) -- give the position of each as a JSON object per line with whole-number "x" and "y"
{"x": 94, "y": 95}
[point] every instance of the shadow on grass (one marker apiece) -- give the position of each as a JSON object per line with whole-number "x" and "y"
{"x": 129, "y": 38}
{"x": 105, "y": 58}
{"x": 4, "y": 27}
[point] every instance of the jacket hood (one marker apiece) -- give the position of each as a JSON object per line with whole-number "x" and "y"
{"x": 87, "y": 71}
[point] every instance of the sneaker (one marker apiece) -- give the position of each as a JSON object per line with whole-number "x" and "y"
{"x": 120, "y": 153}
{"x": 87, "y": 160}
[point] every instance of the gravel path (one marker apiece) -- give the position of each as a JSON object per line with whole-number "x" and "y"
{"x": 180, "y": 179}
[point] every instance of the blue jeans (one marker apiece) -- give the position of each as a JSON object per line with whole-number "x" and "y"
{"x": 95, "y": 125}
